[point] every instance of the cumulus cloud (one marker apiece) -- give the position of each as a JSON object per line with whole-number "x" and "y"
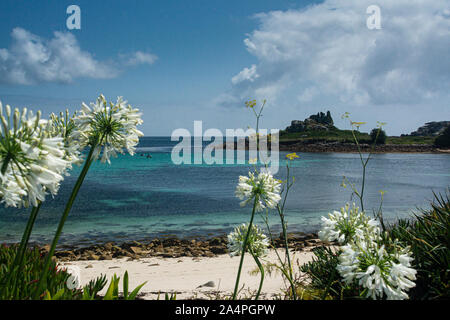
{"x": 326, "y": 50}
{"x": 32, "y": 59}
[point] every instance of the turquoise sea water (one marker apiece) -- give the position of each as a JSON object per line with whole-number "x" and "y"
{"x": 139, "y": 197}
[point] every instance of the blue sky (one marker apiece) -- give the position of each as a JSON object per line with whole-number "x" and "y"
{"x": 181, "y": 61}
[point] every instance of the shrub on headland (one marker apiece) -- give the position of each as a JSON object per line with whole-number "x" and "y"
{"x": 443, "y": 140}
{"x": 378, "y": 136}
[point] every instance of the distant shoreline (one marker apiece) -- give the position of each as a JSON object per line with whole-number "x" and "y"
{"x": 339, "y": 147}
{"x": 352, "y": 148}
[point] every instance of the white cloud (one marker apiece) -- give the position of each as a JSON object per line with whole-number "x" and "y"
{"x": 140, "y": 57}
{"x": 32, "y": 59}
{"x": 328, "y": 48}
{"x": 248, "y": 74}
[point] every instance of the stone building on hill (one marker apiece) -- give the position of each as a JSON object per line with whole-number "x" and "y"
{"x": 319, "y": 121}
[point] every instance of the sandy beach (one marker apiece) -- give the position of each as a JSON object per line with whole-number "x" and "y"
{"x": 186, "y": 275}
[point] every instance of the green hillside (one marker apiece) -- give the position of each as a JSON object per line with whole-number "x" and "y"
{"x": 332, "y": 135}
{"x": 345, "y": 136}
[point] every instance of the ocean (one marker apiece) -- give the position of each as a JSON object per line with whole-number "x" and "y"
{"x": 139, "y": 197}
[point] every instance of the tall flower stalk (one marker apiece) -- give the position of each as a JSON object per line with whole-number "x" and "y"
{"x": 280, "y": 210}
{"x": 103, "y": 128}
{"x": 355, "y": 127}
{"x": 32, "y": 163}
{"x": 264, "y": 191}
{"x": 286, "y": 265}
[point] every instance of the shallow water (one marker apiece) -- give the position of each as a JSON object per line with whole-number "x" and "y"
{"x": 139, "y": 197}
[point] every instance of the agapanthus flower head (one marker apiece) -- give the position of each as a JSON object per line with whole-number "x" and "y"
{"x": 257, "y": 242}
{"x": 31, "y": 158}
{"x": 381, "y": 273}
{"x": 348, "y": 224}
{"x": 10, "y": 192}
{"x": 109, "y": 127}
{"x": 260, "y": 185}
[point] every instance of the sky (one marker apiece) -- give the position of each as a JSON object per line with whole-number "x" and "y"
{"x": 180, "y": 61}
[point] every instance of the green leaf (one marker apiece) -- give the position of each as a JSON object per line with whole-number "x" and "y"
{"x": 110, "y": 292}
{"x": 116, "y": 287}
{"x": 133, "y": 294}
{"x": 59, "y": 294}
{"x": 86, "y": 295}
{"x": 125, "y": 285}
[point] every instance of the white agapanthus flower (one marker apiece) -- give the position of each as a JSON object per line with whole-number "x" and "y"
{"x": 381, "y": 273}
{"x": 10, "y": 193}
{"x": 257, "y": 242}
{"x": 109, "y": 128}
{"x": 346, "y": 224}
{"x": 31, "y": 158}
{"x": 263, "y": 185}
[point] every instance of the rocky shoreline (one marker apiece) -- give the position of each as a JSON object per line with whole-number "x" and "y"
{"x": 325, "y": 146}
{"x": 172, "y": 248}
{"x": 352, "y": 148}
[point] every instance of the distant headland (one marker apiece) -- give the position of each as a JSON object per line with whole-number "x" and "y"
{"x": 317, "y": 133}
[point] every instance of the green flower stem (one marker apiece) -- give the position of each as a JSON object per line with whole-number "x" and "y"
{"x": 283, "y": 271}
{"x": 286, "y": 245}
{"x": 282, "y": 268}
{"x": 261, "y": 269}
{"x": 19, "y": 259}
{"x": 364, "y": 165}
{"x": 285, "y": 236}
{"x": 266, "y": 221}
{"x": 258, "y": 115}
{"x": 244, "y": 248}
{"x": 360, "y": 195}
{"x": 69, "y": 204}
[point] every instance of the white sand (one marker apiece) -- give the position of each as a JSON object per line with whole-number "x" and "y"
{"x": 184, "y": 275}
